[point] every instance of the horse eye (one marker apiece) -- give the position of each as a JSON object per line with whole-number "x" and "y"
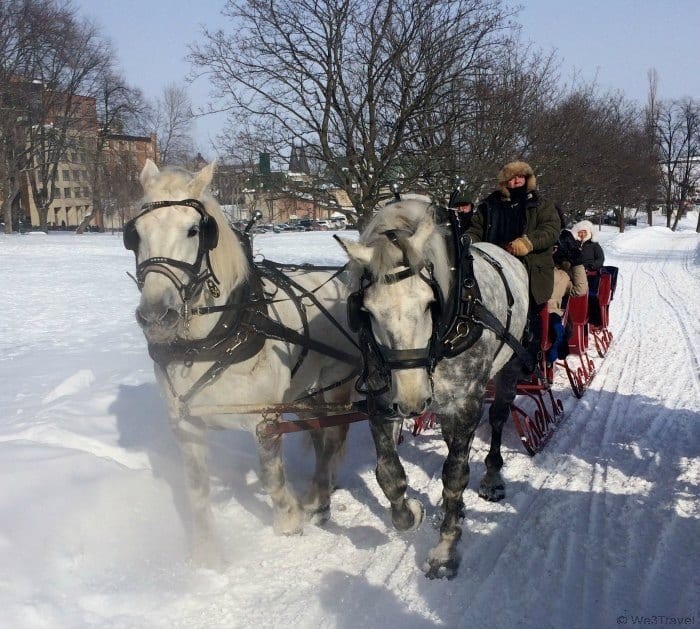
{"x": 193, "y": 231}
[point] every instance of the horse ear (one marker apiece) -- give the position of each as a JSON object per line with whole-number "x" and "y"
{"x": 356, "y": 251}
{"x": 202, "y": 179}
{"x": 148, "y": 174}
{"x": 420, "y": 237}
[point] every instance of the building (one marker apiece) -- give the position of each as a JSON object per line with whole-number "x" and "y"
{"x": 122, "y": 158}
{"x": 94, "y": 170}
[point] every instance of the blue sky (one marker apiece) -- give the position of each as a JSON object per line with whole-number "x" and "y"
{"x": 615, "y": 42}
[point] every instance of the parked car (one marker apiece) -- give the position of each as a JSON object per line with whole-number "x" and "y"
{"x": 310, "y": 225}
{"x": 611, "y": 219}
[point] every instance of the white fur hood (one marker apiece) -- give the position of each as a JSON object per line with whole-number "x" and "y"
{"x": 586, "y": 226}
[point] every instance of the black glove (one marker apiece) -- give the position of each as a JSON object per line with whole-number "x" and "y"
{"x": 568, "y": 249}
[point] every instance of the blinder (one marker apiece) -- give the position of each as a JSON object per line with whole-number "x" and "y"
{"x": 131, "y": 236}
{"x": 357, "y": 316}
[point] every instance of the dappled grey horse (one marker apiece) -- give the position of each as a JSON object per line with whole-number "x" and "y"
{"x": 437, "y": 319}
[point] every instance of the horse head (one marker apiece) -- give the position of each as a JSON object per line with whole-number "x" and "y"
{"x": 185, "y": 253}
{"x": 401, "y": 265}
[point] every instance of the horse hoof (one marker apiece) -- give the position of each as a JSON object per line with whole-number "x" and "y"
{"x": 320, "y": 516}
{"x": 434, "y": 569}
{"x": 418, "y": 511}
{"x": 492, "y": 493}
{"x": 289, "y": 523}
{"x": 412, "y": 518}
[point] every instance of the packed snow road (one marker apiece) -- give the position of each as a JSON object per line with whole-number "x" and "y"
{"x": 599, "y": 530}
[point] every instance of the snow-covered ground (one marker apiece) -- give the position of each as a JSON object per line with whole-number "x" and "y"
{"x": 602, "y": 529}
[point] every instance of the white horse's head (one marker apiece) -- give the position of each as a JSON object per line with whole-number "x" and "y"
{"x": 403, "y": 260}
{"x": 185, "y": 253}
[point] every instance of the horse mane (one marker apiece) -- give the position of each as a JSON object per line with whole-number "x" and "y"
{"x": 228, "y": 258}
{"x": 405, "y": 217}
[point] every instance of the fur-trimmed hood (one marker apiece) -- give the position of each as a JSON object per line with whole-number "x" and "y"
{"x": 511, "y": 170}
{"x": 586, "y": 226}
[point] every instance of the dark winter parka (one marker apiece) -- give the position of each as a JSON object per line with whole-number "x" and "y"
{"x": 501, "y": 214}
{"x": 591, "y": 251}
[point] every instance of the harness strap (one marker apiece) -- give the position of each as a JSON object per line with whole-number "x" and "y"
{"x": 483, "y": 316}
{"x": 268, "y": 327}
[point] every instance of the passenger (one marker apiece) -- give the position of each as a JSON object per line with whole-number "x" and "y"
{"x": 592, "y": 252}
{"x": 464, "y": 208}
{"x": 593, "y": 259}
{"x": 515, "y": 217}
{"x": 569, "y": 280}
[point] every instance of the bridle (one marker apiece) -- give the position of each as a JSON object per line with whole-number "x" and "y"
{"x": 458, "y": 319}
{"x": 197, "y": 275}
{"x": 382, "y": 358}
{"x": 245, "y": 323}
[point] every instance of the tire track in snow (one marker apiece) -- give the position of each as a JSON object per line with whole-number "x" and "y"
{"x": 614, "y": 411}
{"x": 678, "y": 303}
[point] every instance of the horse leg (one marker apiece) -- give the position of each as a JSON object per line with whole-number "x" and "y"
{"x": 492, "y": 486}
{"x": 458, "y": 432}
{"x": 406, "y": 513}
{"x": 328, "y": 444}
{"x": 287, "y": 512}
{"x": 191, "y": 435}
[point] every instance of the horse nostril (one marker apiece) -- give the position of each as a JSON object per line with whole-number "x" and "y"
{"x": 170, "y": 317}
{"x": 166, "y": 318}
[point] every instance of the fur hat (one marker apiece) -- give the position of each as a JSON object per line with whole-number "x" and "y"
{"x": 586, "y": 226}
{"x": 512, "y": 169}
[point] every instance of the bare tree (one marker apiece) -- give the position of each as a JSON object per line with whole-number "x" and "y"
{"x": 678, "y": 142}
{"x": 120, "y": 109}
{"x": 171, "y": 118}
{"x": 592, "y": 153}
{"x": 651, "y": 121}
{"x": 495, "y": 115}
{"x": 10, "y": 50}
{"x": 355, "y": 81}
{"x": 67, "y": 57}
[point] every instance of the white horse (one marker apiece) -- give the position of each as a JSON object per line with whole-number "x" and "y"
{"x": 432, "y": 346}
{"x": 232, "y": 340}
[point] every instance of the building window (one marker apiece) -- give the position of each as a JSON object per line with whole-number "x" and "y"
{"x": 57, "y": 193}
{"x": 66, "y": 175}
{"x": 66, "y": 193}
{"x": 76, "y": 175}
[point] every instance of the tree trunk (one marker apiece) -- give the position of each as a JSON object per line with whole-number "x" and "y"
{"x": 7, "y": 214}
{"x": 84, "y": 223}
{"x": 43, "y": 212}
{"x": 677, "y": 218}
{"x": 7, "y": 206}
